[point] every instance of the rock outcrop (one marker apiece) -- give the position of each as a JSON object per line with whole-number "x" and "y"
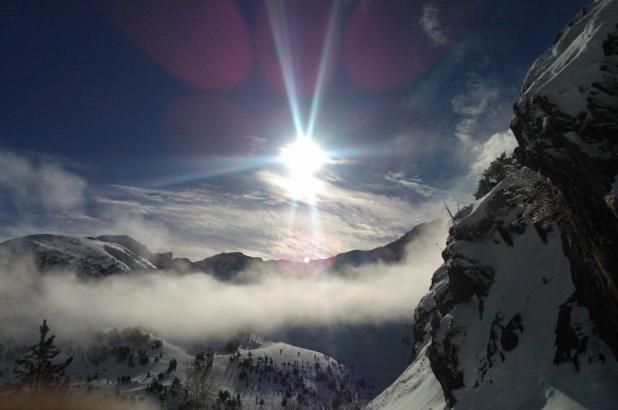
{"x": 524, "y": 311}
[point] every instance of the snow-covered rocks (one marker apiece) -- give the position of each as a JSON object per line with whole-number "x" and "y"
{"x": 524, "y": 311}
{"x": 566, "y": 123}
{"x": 88, "y": 257}
{"x": 500, "y": 327}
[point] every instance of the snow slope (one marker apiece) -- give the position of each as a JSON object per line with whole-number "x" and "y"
{"x": 523, "y": 314}
{"x": 488, "y": 332}
{"x": 101, "y": 256}
{"x": 130, "y": 360}
{"x": 88, "y": 257}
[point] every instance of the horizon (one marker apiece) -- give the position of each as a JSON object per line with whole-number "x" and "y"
{"x": 119, "y": 121}
{"x": 326, "y": 204}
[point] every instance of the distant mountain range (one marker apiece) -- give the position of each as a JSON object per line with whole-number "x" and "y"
{"x": 98, "y": 257}
{"x": 113, "y": 254}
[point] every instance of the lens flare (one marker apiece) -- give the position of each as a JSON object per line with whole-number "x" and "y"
{"x": 303, "y": 158}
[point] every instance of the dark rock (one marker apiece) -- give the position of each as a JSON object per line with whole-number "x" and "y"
{"x": 511, "y": 333}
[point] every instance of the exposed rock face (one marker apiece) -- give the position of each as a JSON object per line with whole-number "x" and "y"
{"x": 566, "y": 124}
{"x": 524, "y": 311}
{"x": 225, "y": 266}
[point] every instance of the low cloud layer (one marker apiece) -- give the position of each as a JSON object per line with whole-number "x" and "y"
{"x": 197, "y": 306}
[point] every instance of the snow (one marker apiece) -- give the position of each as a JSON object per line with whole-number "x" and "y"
{"x": 416, "y": 388}
{"x": 284, "y": 356}
{"x": 574, "y": 61}
{"x": 532, "y": 279}
{"x": 518, "y": 289}
{"x": 90, "y": 256}
{"x": 522, "y": 342}
{"x": 259, "y": 385}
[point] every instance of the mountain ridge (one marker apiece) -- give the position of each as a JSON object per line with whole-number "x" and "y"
{"x": 122, "y": 254}
{"x": 522, "y": 313}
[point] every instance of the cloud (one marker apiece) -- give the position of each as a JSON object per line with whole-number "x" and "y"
{"x": 414, "y": 184}
{"x": 481, "y": 132}
{"x": 359, "y": 208}
{"x": 486, "y": 152}
{"x": 200, "y": 219}
{"x": 475, "y": 107}
{"x": 431, "y": 24}
{"x": 38, "y": 183}
{"x": 195, "y": 305}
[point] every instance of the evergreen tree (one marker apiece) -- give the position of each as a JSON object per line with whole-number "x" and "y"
{"x": 36, "y": 370}
{"x": 175, "y": 387}
{"x": 495, "y": 173}
{"x": 171, "y": 366}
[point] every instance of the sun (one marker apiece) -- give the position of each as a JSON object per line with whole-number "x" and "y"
{"x": 303, "y": 158}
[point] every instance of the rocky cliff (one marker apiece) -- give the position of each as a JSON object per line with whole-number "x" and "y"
{"x": 524, "y": 311}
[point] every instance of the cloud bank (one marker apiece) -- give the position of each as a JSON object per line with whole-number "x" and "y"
{"x": 26, "y": 183}
{"x": 195, "y": 305}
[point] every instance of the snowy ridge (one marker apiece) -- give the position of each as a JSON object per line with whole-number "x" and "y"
{"x": 108, "y": 254}
{"x": 573, "y": 64}
{"x": 523, "y": 314}
{"x": 132, "y": 361}
{"x": 566, "y": 120}
{"x": 488, "y": 332}
{"x": 87, "y": 256}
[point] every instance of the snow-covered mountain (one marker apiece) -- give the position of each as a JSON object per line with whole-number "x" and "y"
{"x": 109, "y": 254}
{"x": 523, "y": 314}
{"x": 89, "y": 257}
{"x": 350, "y": 344}
{"x": 138, "y": 365}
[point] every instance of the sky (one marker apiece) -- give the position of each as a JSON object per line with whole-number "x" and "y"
{"x": 166, "y": 121}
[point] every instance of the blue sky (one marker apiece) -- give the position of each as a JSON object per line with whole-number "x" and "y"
{"x": 163, "y": 122}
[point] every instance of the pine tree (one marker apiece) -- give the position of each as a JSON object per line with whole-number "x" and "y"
{"x": 36, "y": 370}
{"x": 171, "y": 366}
{"x": 495, "y": 173}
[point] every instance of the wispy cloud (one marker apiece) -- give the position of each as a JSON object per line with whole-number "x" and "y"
{"x": 359, "y": 207}
{"x": 431, "y": 24}
{"x": 200, "y": 220}
{"x": 487, "y": 151}
{"x": 475, "y": 106}
{"x": 38, "y": 183}
{"x": 481, "y": 132}
{"x": 414, "y": 184}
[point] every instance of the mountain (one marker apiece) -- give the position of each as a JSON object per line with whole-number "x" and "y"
{"x": 138, "y": 365}
{"x": 523, "y": 314}
{"x": 393, "y": 252}
{"x": 349, "y": 343}
{"x": 110, "y": 254}
{"x": 89, "y": 257}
